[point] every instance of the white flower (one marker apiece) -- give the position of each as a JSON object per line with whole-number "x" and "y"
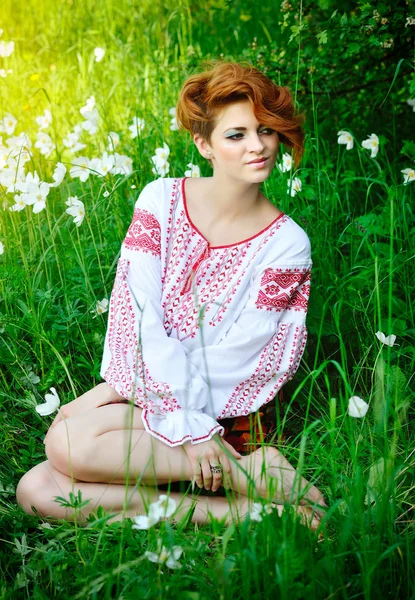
{"x": 52, "y": 403}
{"x": 101, "y": 307}
{"x": 76, "y": 209}
{"x": 162, "y": 154}
{"x": 91, "y": 123}
{"x": 287, "y": 162}
{"x": 106, "y": 194}
{"x": 411, "y": 102}
{"x": 71, "y": 141}
{"x": 8, "y": 124}
{"x": 194, "y": 171}
{"x": 103, "y": 165}
{"x": 45, "y": 143}
{"x": 10, "y": 178}
{"x": 19, "y": 142}
{"x": 408, "y": 175}
{"x": 137, "y": 126}
{"x": 19, "y": 204}
{"x": 161, "y": 165}
{"x": 174, "y": 126}
{"x": 357, "y": 407}
{"x": 388, "y": 341}
{"x": 296, "y": 186}
{"x": 255, "y": 514}
{"x": 30, "y": 183}
{"x": 163, "y": 508}
{"x": 113, "y": 141}
{"x": 372, "y": 143}
{"x": 1, "y": 248}
{"x": 34, "y": 192}
{"x": 123, "y": 165}
{"x": 44, "y": 120}
{"x": 37, "y": 197}
{"x": 4, "y": 73}
{"x": 90, "y": 104}
{"x": 133, "y": 187}
{"x": 161, "y": 168}
{"x": 6, "y": 48}
{"x": 164, "y": 556}
{"x": 145, "y": 522}
{"x": 80, "y": 168}
{"x": 166, "y": 505}
{"x": 58, "y": 174}
{"x": 91, "y": 116}
{"x": 99, "y": 54}
{"x": 345, "y": 138}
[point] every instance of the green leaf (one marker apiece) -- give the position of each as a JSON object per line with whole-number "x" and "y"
{"x": 322, "y": 37}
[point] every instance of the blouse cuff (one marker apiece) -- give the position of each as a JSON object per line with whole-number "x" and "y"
{"x": 179, "y": 426}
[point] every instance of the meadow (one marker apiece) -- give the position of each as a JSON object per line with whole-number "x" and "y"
{"x": 87, "y": 97}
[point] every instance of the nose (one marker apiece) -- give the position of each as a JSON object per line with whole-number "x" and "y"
{"x": 255, "y": 143}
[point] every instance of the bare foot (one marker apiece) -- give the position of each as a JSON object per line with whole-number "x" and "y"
{"x": 276, "y": 480}
{"x": 243, "y": 506}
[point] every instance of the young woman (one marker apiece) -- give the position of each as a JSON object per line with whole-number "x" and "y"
{"x": 206, "y": 324}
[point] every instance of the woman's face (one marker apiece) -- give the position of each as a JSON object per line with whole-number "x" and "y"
{"x": 236, "y": 140}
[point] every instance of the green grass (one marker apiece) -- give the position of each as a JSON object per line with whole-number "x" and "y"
{"x": 360, "y": 220}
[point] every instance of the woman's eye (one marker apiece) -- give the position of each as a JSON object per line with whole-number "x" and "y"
{"x": 233, "y": 137}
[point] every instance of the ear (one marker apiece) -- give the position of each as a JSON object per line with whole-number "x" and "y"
{"x": 202, "y": 145}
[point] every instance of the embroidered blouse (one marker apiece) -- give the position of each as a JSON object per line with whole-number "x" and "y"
{"x": 198, "y": 333}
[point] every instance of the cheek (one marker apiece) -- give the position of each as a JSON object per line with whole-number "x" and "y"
{"x": 230, "y": 151}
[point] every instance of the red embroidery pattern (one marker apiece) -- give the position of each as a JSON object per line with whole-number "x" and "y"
{"x": 284, "y": 289}
{"x": 269, "y": 364}
{"x": 144, "y": 233}
{"x": 126, "y": 355}
{"x": 217, "y": 279}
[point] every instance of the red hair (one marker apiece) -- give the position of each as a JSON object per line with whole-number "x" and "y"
{"x": 204, "y": 94}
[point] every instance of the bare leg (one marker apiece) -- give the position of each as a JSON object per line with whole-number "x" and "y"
{"x": 41, "y": 484}
{"x": 104, "y": 440}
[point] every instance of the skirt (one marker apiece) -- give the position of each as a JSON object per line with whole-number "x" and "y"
{"x": 246, "y": 434}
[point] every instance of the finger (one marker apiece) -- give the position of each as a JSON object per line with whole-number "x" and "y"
{"x": 216, "y": 477}
{"x": 231, "y": 449}
{"x": 198, "y": 474}
{"x": 207, "y": 473}
{"x": 227, "y": 473}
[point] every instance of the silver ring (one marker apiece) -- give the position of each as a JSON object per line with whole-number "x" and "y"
{"x": 216, "y": 469}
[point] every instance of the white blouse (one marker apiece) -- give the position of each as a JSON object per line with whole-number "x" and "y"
{"x": 198, "y": 333}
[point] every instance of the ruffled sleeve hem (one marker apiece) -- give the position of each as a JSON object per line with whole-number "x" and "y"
{"x": 180, "y": 426}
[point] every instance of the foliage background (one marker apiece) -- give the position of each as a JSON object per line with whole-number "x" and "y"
{"x": 350, "y": 66}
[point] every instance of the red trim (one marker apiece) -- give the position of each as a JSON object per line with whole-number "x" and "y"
{"x": 228, "y": 245}
{"x": 217, "y": 428}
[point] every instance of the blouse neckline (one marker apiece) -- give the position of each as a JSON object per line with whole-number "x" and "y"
{"x": 201, "y": 234}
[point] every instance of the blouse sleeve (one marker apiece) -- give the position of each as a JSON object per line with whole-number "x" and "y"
{"x": 262, "y": 349}
{"x": 140, "y": 361}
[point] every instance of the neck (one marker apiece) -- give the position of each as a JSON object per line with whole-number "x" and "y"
{"x": 231, "y": 199}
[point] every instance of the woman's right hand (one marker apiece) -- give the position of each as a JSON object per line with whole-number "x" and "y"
{"x": 208, "y": 454}
{"x": 97, "y": 396}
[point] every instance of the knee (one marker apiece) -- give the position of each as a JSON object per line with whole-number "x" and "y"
{"x": 32, "y": 490}
{"x": 64, "y": 452}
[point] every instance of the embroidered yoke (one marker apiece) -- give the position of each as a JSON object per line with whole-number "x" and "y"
{"x": 198, "y": 333}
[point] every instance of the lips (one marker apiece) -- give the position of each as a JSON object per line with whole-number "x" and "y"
{"x": 258, "y": 160}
